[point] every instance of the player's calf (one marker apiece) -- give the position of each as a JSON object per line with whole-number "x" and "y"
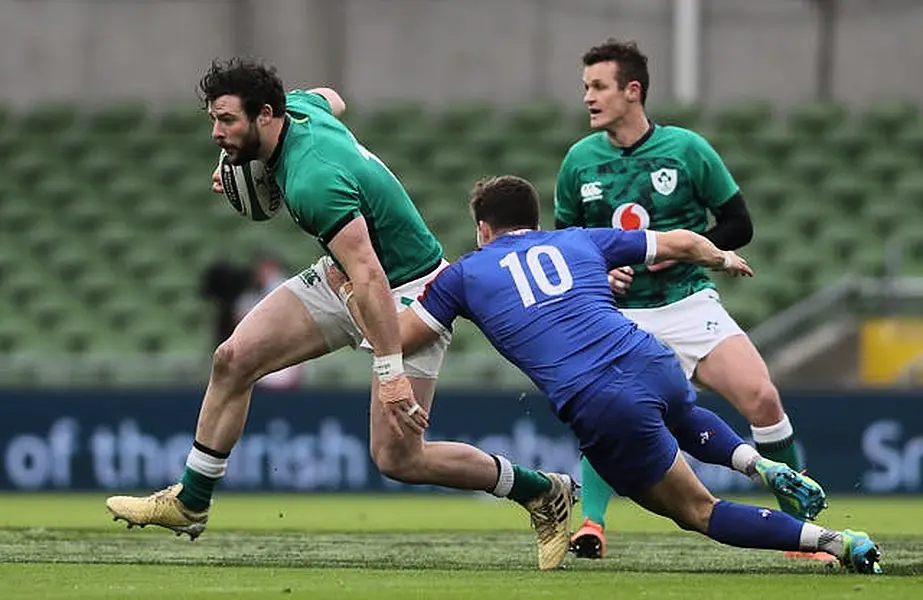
{"x": 752, "y": 527}
{"x": 707, "y": 437}
{"x": 589, "y": 541}
{"x": 681, "y": 496}
{"x": 401, "y": 464}
{"x": 735, "y": 370}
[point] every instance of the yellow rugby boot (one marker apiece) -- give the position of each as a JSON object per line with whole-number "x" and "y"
{"x": 161, "y": 508}
{"x": 551, "y": 515}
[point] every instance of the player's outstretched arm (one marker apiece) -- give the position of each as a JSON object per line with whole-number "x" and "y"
{"x": 688, "y": 246}
{"x": 337, "y": 104}
{"x": 415, "y": 333}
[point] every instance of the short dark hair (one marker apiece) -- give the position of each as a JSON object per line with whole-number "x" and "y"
{"x": 505, "y": 202}
{"x": 632, "y": 64}
{"x": 254, "y": 83}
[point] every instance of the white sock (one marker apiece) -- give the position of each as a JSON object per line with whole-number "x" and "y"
{"x": 815, "y": 538}
{"x": 774, "y": 433}
{"x": 744, "y": 459}
{"x": 206, "y": 464}
{"x": 505, "y": 479}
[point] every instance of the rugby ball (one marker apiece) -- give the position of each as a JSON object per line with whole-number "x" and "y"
{"x": 250, "y": 189}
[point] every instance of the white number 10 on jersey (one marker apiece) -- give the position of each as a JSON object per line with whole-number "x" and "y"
{"x": 565, "y": 279}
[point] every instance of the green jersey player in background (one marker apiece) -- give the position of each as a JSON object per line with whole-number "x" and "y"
{"x": 344, "y": 196}
{"x": 634, "y": 174}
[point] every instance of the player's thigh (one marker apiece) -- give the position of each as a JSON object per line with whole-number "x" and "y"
{"x": 423, "y": 366}
{"x": 278, "y": 332}
{"x": 735, "y": 370}
{"x": 424, "y": 389}
{"x": 624, "y": 436}
{"x": 680, "y": 496}
{"x": 298, "y": 321}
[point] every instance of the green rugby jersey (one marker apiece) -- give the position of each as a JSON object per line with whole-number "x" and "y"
{"x": 668, "y": 180}
{"x": 328, "y": 179}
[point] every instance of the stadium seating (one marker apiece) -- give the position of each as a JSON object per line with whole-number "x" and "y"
{"x": 106, "y": 221}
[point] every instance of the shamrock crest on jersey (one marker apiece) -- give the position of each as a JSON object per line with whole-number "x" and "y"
{"x": 664, "y": 181}
{"x": 670, "y": 179}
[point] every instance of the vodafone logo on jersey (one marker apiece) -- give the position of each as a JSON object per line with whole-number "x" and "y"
{"x": 630, "y": 216}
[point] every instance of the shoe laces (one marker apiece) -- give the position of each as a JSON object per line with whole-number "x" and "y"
{"x": 165, "y": 496}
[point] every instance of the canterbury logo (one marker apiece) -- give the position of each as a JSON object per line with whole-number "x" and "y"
{"x": 591, "y": 191}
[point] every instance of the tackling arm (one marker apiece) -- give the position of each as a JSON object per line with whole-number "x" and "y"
{"x": 687, "y": 246}
{"x": 415, "y": 333}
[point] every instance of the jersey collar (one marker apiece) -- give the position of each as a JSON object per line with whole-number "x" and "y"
{"x": 277, "y": 152}
{"x": 517, "y": 231}
{"x": 628, "y": 151}
{"x": 507, "y": 234}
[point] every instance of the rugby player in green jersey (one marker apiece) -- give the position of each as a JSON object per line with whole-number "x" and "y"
{"x": 634, "y": 174}
{"x": 344, "y": 196}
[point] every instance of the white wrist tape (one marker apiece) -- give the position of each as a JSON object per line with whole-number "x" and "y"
{"x": 388, "y": 367}
{"x": 727, "y": 261}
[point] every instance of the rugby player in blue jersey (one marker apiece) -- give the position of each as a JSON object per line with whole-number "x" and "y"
{"x": 543, "y": 301}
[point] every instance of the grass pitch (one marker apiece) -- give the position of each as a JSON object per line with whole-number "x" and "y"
{"x": 445, "y": 547}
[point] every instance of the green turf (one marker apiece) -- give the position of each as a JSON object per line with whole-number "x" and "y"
{"x": 333, "y": 546}
{"x": 157, "y": 583}
{"x": 420, "y": 512}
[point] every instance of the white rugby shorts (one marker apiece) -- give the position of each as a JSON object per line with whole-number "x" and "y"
{"x": 692, "y": 327}
{"x": 340, "y": 330}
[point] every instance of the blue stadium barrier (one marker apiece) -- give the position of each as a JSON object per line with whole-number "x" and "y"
{"x": 316, "y": 440}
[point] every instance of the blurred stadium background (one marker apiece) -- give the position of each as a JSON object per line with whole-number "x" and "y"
{"x": 107, "y": 226}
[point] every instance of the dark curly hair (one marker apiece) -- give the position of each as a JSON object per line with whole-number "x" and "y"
{"x": 505, "y": 202}
{"x": 254, "y": 83}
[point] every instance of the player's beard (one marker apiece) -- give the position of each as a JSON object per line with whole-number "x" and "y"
{"x": 249, "y": 147}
